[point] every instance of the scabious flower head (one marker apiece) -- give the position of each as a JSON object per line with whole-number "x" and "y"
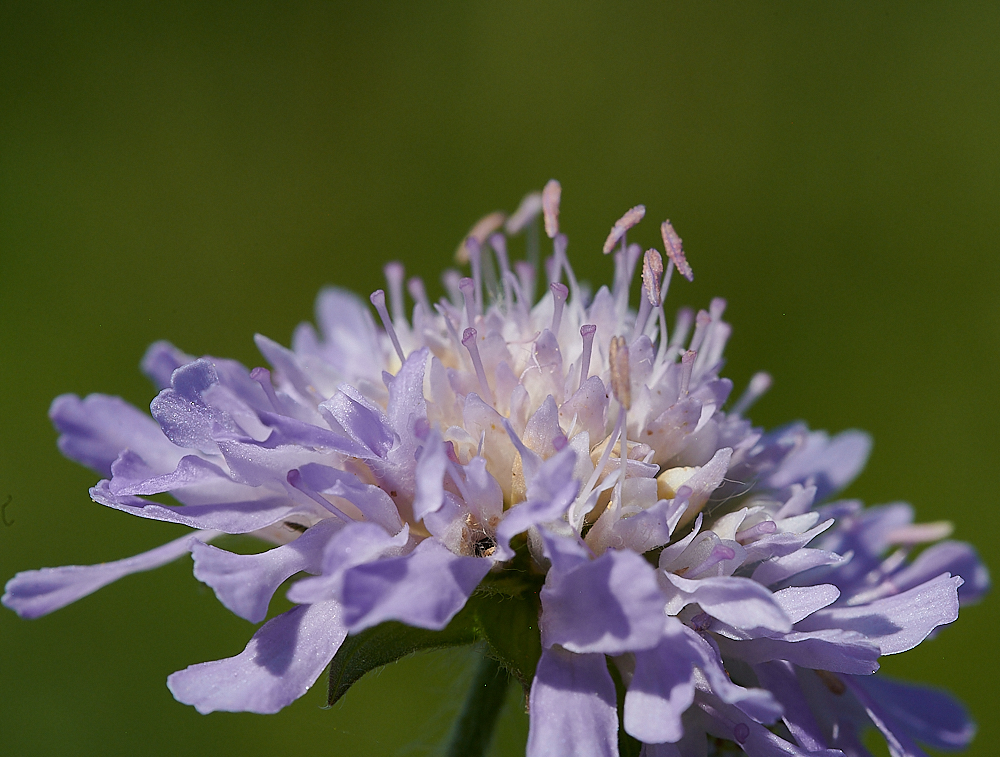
{"x": 563, "y": 469}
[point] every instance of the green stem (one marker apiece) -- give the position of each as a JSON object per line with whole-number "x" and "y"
{"x": 473, "y": 731}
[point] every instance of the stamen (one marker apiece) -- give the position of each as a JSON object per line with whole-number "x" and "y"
{"x": 764, "y": 528}
{"x": 294, "y": 478}
{"x": 378, "y": 300}
{"x": 550, "y": 206}
{"x": 469, "y": 340}
{"x": 687, "y": 363}
{"x": 701, "y": 323}
{"x": 476, "y": 259}
{"x": 621, "y": 384}
{"x": 450, "y": 279}
{"x": 587, "y": 331}
{"x": 603, "y": 461}
{"x": 263, "y": 377}
{"x": 394, "y": 278}
{"x": 499, "y": 244}
{"x": 759, "y": 384}
{"x": 559, "y": 251}
{"x": 631, "y": 218}
{"x": 719, "y": 553}
{"x": 415, "y": 286}
{"x": 526, "y": 273}
{"x": 468, "y": 287}
{"x": 559, "y": 293}
{"x": 443, "y": 312}
{"x": 526, "y": 212}
{"x": 675, "y": 250}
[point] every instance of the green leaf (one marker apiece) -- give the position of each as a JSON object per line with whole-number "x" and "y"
{"x": 390, "y": 641}
{"x": 509, "y": 624}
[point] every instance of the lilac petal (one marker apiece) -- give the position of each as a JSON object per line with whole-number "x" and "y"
{"x": 228, "y": 517}
{"x": 424, "y": 588}
{"x": 740, "y": 602}
{"x": 186, "y": 419}
{"x": 896, "y": 623}
{"x": 650, "y": 528}
{"x": 572, "y": 707}
{"x": 798, "y": 602}
{"x": 900, "y": 743}
{"x": 832, "y": 649}
{"x": 355, "y": 544}
{"x": 931, "y": 716}
{"x": 281, "y": 662}
{"x": 726, "y": 722}
{"x": 374, "y": 503}
{"x": 662, "y": 688}
{"x": 484, "y": 495}
{"x": 131, "y": 475}
{"x": 830, "y": 464}
{"x": 34, "y": 593}
{"x": 564, "y": 551}
{"x": 360, "y": 419}
{"x": 161, "y": 360}
{"x": 759, "y": 704}
{"x": 406, "y": 394}
{"x": 612, "y": 605}
{"x": 779, "y": 678}
{"x": 778, "y": 569}
{"x": 292, "y": 431}
{"x": 430, "y": 469}
{"x": 350, "y": 337}
{"x": 957, "y": 558}
{"x": 246, "y": 583}
{"x": 550, "y": 494}
{"x": 94, "y": 431}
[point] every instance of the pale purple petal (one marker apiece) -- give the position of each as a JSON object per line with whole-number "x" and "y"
{"x": 572, "y": 707}
{"x": 246, "y": 583}
{"x": 728, "y": 723}
{"x": 611, "y": 605}
{"x": 94, "y": 431}
{"x": 362, "y": 421}
{"x": 131, "y": 475}
{"x": 830, "y": 649}
{"x": 228, "y": 517}
{"x": 895, "y": 623}
{"x": 779, "y": 678}
{"x": 798, "y": 602}
{"x": 161, "y": 360}
{"x": 283, "y": 659}
{"x": 662, "y": 688}
{"x": 829, "y": 464}
{"x": 550, "y": 494}
{"x": 424, "y": 588}
{"x": 34, "y": 593}
{"x": 431, "y": 465}
{"x": 354, "y": 544}
{"x": 780, "y": 568}
{"x": 374, "y": 503}
{"x": 955, "y": 557}
{"x": 740, "y": 602}
{"x": 931, "y": 716}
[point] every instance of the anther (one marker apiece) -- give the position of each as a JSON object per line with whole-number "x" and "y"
{"x": 587, "y": 331}
{"x": 526, "y": 212}
{"x": 378, "y": 300}
{"x": 620, "y": 380}
{"x": 394, "y": 278}
{"x": 468, "y": 289}
{"x": 675, "y": 250}
{"x": 631, "y": 218}
{"x": 652, "y": 270}
{"x": 478, "y": 233}
{"x": 469, "y": 340}
{"x": 550, "y": 207}
{"x": 559, "y": 294}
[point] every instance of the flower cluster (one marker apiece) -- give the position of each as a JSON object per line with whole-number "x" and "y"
{"x": 687, "y": 585}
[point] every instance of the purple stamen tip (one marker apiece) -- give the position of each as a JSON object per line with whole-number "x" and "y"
{"x": 560, "y": 442}
{"x": 469, "y": 336}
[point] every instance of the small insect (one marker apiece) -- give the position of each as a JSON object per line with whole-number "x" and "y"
{"x": 485, "y": 546}
{"x": 3, "y": 511}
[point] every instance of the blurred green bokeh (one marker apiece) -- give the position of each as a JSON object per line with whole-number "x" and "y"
{"x": 196, "y": 171}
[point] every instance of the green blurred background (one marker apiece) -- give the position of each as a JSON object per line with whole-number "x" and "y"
{"x": 196, "y": 171}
